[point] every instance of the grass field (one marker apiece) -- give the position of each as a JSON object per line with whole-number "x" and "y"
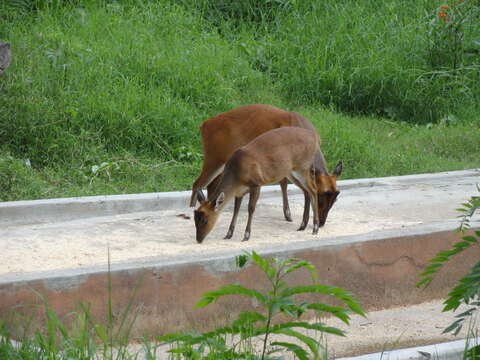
{"x": 107, "y": 97}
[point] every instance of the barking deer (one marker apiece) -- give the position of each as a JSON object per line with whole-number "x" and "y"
{"x": 286, "y": 152}
{"x": 226, "y": 132}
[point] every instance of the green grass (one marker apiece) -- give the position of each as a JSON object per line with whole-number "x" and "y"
{"x": 127, "y": 84}
{"x": 368, "y": 147}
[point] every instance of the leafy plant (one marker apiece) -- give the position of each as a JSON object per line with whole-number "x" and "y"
{"x": 468, "y": 290}
{"x": 280, "y": 315}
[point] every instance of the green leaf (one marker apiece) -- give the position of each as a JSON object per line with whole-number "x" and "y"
{"x": 232, "y": 289}
{"x": 424, "y": 282}
{"x": 264, "y": 265}
{"x": 303, "y": 264}
{"x": 307, "y": 340}
{"x": 337, "y": 292}
{"x": 297, "y": 350}
{"x": 470, "y": 239}
{"x": 338, "y": 312}
{"x": 248, "y": 318}
{"x": 454, "y": 327}
{"x": 300, "y": 324}
{"x": 241, "y": 260}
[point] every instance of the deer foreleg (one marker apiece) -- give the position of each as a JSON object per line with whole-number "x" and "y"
{"x": 252, "y": 203}
{"x": 236, "y": 208}
{"x": 286, "y": 207}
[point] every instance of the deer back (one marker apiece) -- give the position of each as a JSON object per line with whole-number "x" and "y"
{"x": 228, "y": 131}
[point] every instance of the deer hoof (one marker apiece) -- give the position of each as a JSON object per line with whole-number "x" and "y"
{"x": 288, "y": 215}
{"x": 246, "y": 237}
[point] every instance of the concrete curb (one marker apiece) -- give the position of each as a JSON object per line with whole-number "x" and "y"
{"x": 64, "y": 209}
{"x": 452, "y": 350}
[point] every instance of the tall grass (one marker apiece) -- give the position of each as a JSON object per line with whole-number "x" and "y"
{"x": 369, "y": 58}
{"x": 127, "y": 83}
{"x": 84, "y": 85}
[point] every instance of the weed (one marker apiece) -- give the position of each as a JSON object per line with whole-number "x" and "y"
{"x": 280, "y": 315}
{"x": 468, "y": 287}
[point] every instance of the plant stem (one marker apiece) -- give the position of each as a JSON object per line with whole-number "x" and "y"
{"x": 270, "y": 307}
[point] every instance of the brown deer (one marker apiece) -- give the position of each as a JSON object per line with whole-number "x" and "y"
{"x": 286, "y": 152}
{"x": 228, "y": 131}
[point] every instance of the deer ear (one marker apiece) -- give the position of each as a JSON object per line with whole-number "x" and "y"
{"x": 220, "y": 200}
{"x": 200, "y": 196}
{"x": 338, "y": 169}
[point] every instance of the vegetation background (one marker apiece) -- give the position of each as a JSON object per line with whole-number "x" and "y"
{"x": 106, "y": 97}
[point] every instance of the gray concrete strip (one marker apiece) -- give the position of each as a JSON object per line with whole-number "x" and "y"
{"x": 64, "y": 209}
{"x": 453, "y": 350}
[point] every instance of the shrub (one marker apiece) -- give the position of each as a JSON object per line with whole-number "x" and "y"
{"x": 468, "y": 289}
{"x": 280, "y": 315}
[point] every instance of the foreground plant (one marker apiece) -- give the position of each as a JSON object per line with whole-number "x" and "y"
{"x": 280, "y": 315}
{"x": 77, "y": 337}
{"x": 468, "y": 290}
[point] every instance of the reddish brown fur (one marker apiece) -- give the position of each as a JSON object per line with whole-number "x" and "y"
{"x": 269, "y": 158}
{"x": 228, "y": 131}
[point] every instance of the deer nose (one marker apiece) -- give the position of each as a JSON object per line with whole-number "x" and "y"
{"x": 200, "y": 238}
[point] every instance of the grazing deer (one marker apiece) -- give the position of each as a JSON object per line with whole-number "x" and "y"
{"x": 228, "y": 131}
{"x": 286, "y": 152}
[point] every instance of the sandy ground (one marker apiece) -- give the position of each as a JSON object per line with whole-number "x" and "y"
{"x": 164, "y": 235}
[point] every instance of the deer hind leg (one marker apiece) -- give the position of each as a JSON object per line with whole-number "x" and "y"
{"x": 306, "y": 211}
{"x": 306, "y": 208}
{"x": 286, "y": 207}
{"x": 236, "y": 208}
{"x": 306, "y": 182}
{"x": 252, "y": 203}
{"x": 312, "y": 189}
{"x": 205, "y": 178}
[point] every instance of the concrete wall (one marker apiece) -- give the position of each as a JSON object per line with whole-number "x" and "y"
{"x": 381, "y": 272}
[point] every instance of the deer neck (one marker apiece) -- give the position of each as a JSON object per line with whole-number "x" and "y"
{"x": 229, "y": 187}
{"x": 319, "y": 163}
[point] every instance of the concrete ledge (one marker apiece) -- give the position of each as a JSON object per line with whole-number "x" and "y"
{"x": 64, "y": 209}
{"x": 452, "y": 350}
